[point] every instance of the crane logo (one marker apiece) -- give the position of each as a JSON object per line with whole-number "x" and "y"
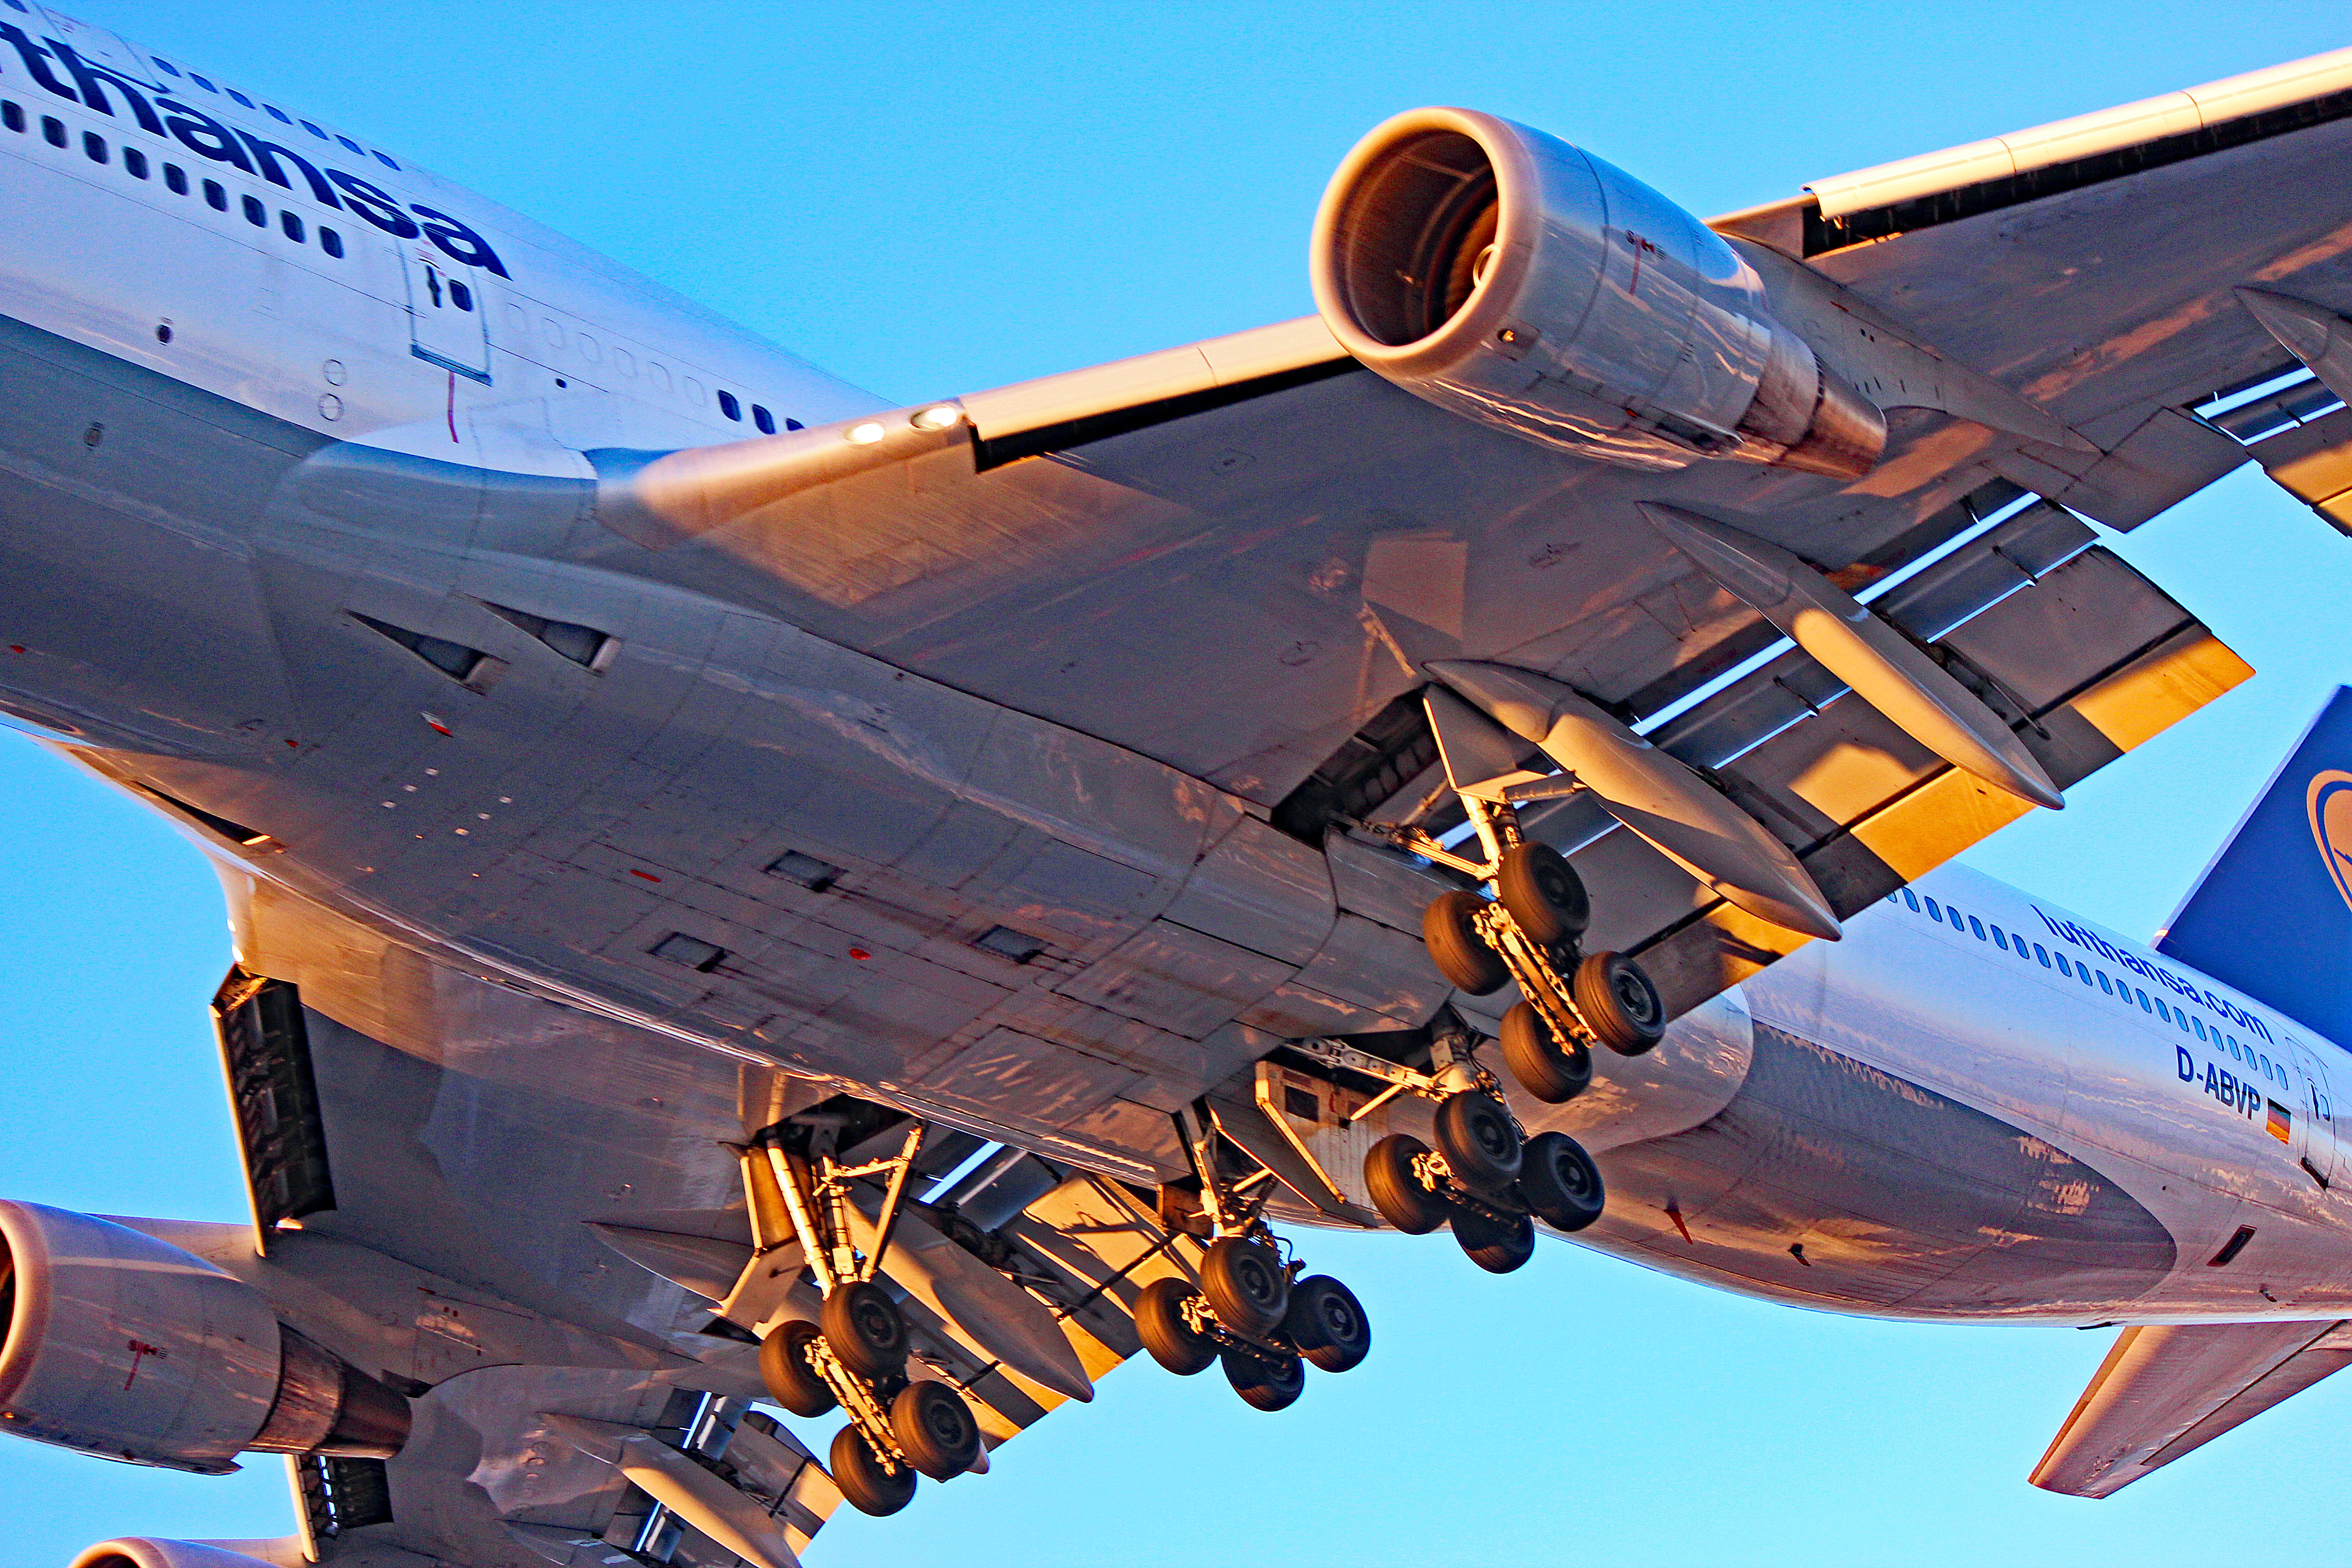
{"x": 2329, "y": 801}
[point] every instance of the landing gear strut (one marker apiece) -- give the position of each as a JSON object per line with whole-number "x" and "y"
{"x": 1252, "y": 1313}
{"x": 855, "y": 1356}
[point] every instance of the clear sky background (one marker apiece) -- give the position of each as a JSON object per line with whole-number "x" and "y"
{"x": 929, "y": 199}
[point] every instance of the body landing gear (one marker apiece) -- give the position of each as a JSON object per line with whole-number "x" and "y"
{"x": 855, "y": 1356}
{"x": 1251, "y": 1312}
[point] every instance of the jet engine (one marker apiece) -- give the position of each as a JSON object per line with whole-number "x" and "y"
{"x": 123, "y": 1346}
{"x": 145, "y": 1552}
{"x": 1503, "y": 275}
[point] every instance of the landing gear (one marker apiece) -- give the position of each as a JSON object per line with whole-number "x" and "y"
{"x": 855, "y": 1356}
{"x": 1417, "y": 1188}
{"x": 1327, "y": 1324}
{"x": 1252, "y": 1313}
{"x": 1532, "y": 932}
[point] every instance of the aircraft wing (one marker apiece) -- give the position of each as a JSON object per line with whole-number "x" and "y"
{"x": 2163, "y": 1392}
{"x": 531, "y": 1220}
{"x": 1239, "y": 557}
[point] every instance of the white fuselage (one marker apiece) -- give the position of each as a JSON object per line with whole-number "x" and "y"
{"x": 1918, "y": 1120}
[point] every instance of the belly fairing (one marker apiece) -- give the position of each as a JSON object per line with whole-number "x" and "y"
{"x": 1829, "y": 1181}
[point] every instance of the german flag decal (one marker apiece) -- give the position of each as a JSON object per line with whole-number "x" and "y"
{"x": 2282, "y": 1124}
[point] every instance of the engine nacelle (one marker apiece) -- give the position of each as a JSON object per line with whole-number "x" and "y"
{"x": 126, "y": 1347}
{"x": 1503, "y": 275}
{"x": 146, "y": 1552}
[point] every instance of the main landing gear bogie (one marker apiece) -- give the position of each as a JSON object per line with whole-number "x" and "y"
{"x": 1255, "y": 1313}
{"x": 855, "y": 1357}
{"x": 1417, "y": 1189}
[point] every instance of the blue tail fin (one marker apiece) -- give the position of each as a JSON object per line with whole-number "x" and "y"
{"x": 2272, "y": 915}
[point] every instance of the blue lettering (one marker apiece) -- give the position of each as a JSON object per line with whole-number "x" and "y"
{"x": 37, "y": 60}
{"x": 202, "y": 134}
{"x": 2185, "y": 1063}
{"x": 459, "y": 242}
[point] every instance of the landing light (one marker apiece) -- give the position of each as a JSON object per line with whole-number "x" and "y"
{"x": 866, "y": 434}
{"x": 938, "y": 416}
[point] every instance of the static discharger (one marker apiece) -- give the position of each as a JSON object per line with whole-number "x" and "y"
{"x": 1679, "y": 813}
{"x": 1882, "y": 666}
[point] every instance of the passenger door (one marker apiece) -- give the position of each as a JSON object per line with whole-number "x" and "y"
{"x": 2320, "y": 1156}
{"x": 449, "y": 322}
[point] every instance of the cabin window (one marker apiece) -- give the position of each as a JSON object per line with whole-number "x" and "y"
{"x": 767, "y": 424}
{"x": 2105, "y": 985}
{"x": 2181, "y": 1018}
{"x": 166, "y": 67}
{"x": 1976, "y": 928}
{"x": 1953, "y": 915}
{"x": 241, "y": 98}
{"x": 255, "y": 213}
{"x": 277, "y": 113}
{"x": 12, "y": 114}
{"x": 2042, "y": 953}
{"x": 796, "y": 425}
{"x": 216, "y": 197}
{"x": 93, "y": 146}
{"x": 2200, "y": 1026}
{"x": 292, "y": 225}
{"x": 624, "y": 361}
{"x": 2144, "y": 1006}
{"x": 1935, "y": 912}
{"x": 693, "y": 389}
{"x": 387, "y": 162}
{"x": 53, "y": 131}
{"x": 730, "y": 408}
{"x": 201, "y": 82}
{"x": 1908, "y": 896}
{"x": 136, "y": 162}
{"x": 356, "y": 150}
{"x": 460, "y": 296}
{"x": 315, "y": 130}
{"x": 330, "y": 241}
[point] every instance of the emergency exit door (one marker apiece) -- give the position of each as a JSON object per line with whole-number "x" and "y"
{"x": 2321, "y": 1156}
{"x": 449, "y": 322}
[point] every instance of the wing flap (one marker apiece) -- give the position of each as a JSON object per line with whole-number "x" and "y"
{"x": 2163, "y": 1392}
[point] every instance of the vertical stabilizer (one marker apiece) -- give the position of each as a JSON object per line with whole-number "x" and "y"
{"x": 2273, "y": 914}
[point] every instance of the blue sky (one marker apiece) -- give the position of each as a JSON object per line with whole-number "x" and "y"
{"x": 929, "y": 199}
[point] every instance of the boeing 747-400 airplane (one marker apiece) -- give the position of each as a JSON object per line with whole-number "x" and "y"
{"x": 746, "y": 895}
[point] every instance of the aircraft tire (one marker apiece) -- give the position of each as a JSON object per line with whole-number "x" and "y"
{"x": 866, "y": 1328}
{"x": 1397, "y": 1194}
{"x": 1476, "y": 1136}
{"x": 1543, "y": 893}
{"x": 1498, "y": 1247}
{"x": 864, "y": 1485}
{"x": 784, "y": 1368}
{"x": 1160, "y": 1324}
{"x": 1246, "y": 1284}
{"x": 1618, "y": 1000}
{"x": 1461, "y": 955}
{"x": 1264, "y": 1382}
{"x": 1560, "y": 1182}
{"x": 1327, "y": 1324}
{"x": 1536, "y": 1059}
{"x": 935, "y": 1429}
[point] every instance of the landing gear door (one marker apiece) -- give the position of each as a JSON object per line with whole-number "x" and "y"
{"x": 2320, "y": 1156}
{"x": 448, "y": 317}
